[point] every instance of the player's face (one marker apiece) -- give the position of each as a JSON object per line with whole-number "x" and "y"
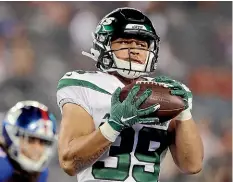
{"x": 32, "y": 148}
{"x": 135, "y": 54}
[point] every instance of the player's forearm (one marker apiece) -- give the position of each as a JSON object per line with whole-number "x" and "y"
{"x": 83, "y": 151}
{"x": 187, "y": 148}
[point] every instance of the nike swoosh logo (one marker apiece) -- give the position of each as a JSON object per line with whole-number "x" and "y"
{"x": 126, "y": 119}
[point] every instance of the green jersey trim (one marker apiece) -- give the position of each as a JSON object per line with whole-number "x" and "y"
{"x": 82, "y": 83}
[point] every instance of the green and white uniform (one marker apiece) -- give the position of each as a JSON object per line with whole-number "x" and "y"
{"x": 136, "y": 154}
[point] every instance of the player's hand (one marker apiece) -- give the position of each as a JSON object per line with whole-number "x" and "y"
{"x": 181, "y": 90}
{"x": 176, "y": 87}
{"x": 127, "y": 113}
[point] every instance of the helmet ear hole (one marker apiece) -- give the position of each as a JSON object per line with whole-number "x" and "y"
{"x": 106, "y": 61}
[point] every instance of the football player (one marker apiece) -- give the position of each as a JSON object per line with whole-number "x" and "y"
{"x": 27, "y": 143}
{"x": 103, "y": 139}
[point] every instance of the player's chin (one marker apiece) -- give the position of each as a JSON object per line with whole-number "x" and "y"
{"x": 35, "y": 158}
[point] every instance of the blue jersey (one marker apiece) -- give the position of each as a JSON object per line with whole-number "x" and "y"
{"x": 7, "y": 170}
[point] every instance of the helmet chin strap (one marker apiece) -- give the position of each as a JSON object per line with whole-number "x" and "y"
{"x": 89, "y": 55}
{"x": 94, "y": 53}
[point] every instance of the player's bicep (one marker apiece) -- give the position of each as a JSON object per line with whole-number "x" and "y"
{"x": 76, "y": 122}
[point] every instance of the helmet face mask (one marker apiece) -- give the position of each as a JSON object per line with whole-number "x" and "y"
{"x": 124, "y": 22}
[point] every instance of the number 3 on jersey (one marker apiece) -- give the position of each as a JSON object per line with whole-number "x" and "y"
{"x": 143, "y": 153}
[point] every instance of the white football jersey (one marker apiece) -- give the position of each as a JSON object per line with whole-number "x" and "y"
{"x": 136, "y": 154}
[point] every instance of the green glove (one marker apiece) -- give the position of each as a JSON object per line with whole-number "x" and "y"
{"x": 127, "y": 113}
{"x": 178, "y": 89}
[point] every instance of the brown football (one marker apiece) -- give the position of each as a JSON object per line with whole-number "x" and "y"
{"x": 170, "y": 105}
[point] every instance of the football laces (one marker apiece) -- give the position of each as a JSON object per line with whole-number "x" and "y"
{"x": 165, "y": 85}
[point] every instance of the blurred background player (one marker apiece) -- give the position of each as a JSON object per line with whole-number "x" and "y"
{"x": 27, "y": 143}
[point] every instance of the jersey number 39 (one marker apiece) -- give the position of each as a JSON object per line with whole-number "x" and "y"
{"x": 142, "y": 153}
